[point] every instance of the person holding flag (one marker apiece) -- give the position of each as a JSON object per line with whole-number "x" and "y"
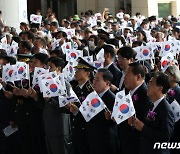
{"x": 83, "y": 74}
{"x": 57, "y": 123}
{"x": 28, "y": 113}
{"x": 159, "y": 122}
{"x": 134, "y": 81}
{"x": 102, "y": 132}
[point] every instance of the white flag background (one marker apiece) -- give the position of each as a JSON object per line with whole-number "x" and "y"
{"x": 91, "y": 106}
{"x": 35, "y": 18}
{"x": 48, "y": 75}
{"x": 52, "y": 88}
{"x": 63, "y": 101}
{"x": 8, "y": 73}
{"x": 37, "y": 72}
{"x": 123, "y": 107}
{"x": 21, "y": 71}
{"x": 176, "y": 110}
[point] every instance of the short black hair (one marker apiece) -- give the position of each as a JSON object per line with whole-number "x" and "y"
{"x": 137, "y": 68}
{"x": 127, "y": 52}
{"x": 113, "y": 41}
{"x": 162, "y": 80}
{"x": 109, "y": 49}
{"x": 10, "y": 60}
{"x": 55, "y": 24}
{"x": 107, "y": 75}
{"x": 43, "y": 58}
{"x": 58, "y": 53}
{"x": 26, "y": 44}
{"x": 58, "y": 62}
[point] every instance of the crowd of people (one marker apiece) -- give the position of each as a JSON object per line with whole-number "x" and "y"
{"x": 46, "y": 128}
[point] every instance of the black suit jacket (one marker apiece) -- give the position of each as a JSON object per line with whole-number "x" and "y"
{"x": 128, "y": 136}
{"x": 157, "y": 130}
{"x": 117, "y": 74}
{"x": 103, "y": 132}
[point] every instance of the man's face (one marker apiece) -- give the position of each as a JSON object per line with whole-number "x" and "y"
{"x": 52, "y": 67}
{"x": 123, "y": 62}
{"x": 153, "y": 89}
{"x": 99, "y": 84}
{"x": 80, "y": 74}
{"x": 35, "y": 63}
{"x": 130, "y": 80}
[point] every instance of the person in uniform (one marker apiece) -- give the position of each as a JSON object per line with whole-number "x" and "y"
{"x": 57, "y": 122}
{"x": 28, "y": 114}
{"x": 83, "y": 74}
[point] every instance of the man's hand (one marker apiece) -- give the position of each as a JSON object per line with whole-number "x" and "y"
{"x": 32, "y": 93}
{"x": 138, "y": 124}
{"x": 8, "y": 94}
{"x": 73, "y": 108}
{"x": 108, "y": 115}
{"x": 131, "y": 121}
{"x": 24, "y": 92}
{"x": 16, "y": 91}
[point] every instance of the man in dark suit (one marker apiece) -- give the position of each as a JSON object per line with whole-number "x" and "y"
{"x": 109, "y": 55}
{"x": 102, "y": 133}
{"x": 79, "y": 126}
{"x": 134, "y": 82}
{"x": 159, "y": 123}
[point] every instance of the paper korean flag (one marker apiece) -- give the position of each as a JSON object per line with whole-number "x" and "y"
{"x": 98, "y": 64}
{"x": 176, "y": 110}
{"x": 4, "y": 40}
{"x": 4, "y": 43}
{"x": 166, "y": 61}
{"x": 55, "y": 43}
{"x": 69, "y": 70}
{"x": 97, "y": 15}
{"x": 120, "y": 15}
{"x": 48, "y": 75}
{"x": 52, "y": 88}
{"x": 35, "y": 18}
{"x": 88, "y": 59}
{"x": 100, "y": 55}
{"x": 61, "y": 79}
{"x": 8, "y": 73}
{"x": 119, "y": 96}
{"x": 13, "y": 49}
{"x": 66, "y": 46}
{"x": 21, "y": 71}
{"x": 63, "y": 101}
{"x": 91, "y": 106}
{"x": 146, "y": 53}
{"x": 168, "y": 47}
{"x": 37, "y": 72}
{"x": 73, "y": 55}
{"x": 123, "y": 108}
{"x": 74, "y": 45}
{"x": 70, "y": 33}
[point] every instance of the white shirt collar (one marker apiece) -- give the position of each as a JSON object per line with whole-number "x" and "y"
{"x": 106, "y": 67}
{"x": 133, "y": 91}
{"x": 156, "y": 103}
{"x": 81, "y": 86}
{"x": 101, "y": 94}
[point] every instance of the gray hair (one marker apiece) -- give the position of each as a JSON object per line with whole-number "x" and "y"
{"x": 174, "y": 71}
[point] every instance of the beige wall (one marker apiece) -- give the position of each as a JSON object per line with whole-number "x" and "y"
{"x": 146, "y": 7}
{"x": 97, "y": 5}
